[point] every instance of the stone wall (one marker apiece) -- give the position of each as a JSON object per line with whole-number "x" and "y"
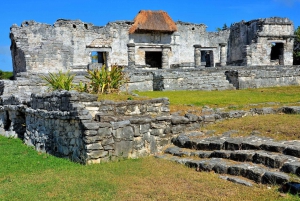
{"x": 264, "y": 76}
{"x": 75, "y": 126}
{"x": 66, "y": 45}
{"x": 219, "y": 78}
{"x": 182, "y": 78}
{"x": 250, "y": 43}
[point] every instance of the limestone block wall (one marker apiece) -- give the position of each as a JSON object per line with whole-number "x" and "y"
{"x": 264, "y": 76}
{"x": 259, "y": 35}
{"x": 75, "y": 126}
{"x": 220, "y": 78}
{"x": 66, "y": 45}
{"x": 191, "y": 79}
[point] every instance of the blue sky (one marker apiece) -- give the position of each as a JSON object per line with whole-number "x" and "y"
{"x": 213, "y": 13}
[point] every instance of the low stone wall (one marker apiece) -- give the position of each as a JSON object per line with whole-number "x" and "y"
{"x": 219, "y": 78}
{"x": 263, "y": 76}
{"x": 211, "y": 78}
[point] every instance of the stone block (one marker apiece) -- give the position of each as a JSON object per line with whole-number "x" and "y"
{"x": 274, "y": 178}
{"x": 124, "y": 133}
{"x": 179, "y": 120}
{"x": 292, "y": 150}
{"x": 180, "y": 140}
{"x": 221, "y": 154}
{"x": 120, "y": 124}
{"x": 192, "y": 117}
{"x": 97, "y": 154}
{"x": 157, "y": 132}
{"x": 123, "y": 148}
{"x": 209, "y": 118}
{"x": 255, "y": 174}
{"x": 94, "y": 146}
{"x": 106, "y": 131}
{"x": 291, "y": 167}
{"x": 177, "y": 129}
{"x": 242, "y": 155}
{"x": 144, "y": 128}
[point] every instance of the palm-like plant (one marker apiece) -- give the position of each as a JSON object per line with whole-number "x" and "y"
{"x": 59, "y": 81}
{"x": 104, "y": 81}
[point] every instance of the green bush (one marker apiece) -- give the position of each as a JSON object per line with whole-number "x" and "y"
{"x": 105, "y": 81}
{"x": 6, "y": 75}
{"x": 59, "y": 81}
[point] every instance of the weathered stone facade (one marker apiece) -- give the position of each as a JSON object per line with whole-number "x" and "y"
{"x": 261, "y": 42}
{"x": 70, "y": 45}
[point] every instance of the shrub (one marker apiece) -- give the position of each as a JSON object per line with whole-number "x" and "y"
{"x": 59, "y": 81}
{"x": 105, "y": 81}
{"x": 6, "y": 75}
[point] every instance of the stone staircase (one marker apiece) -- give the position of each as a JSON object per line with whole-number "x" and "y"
{"x": 258, "y": 159}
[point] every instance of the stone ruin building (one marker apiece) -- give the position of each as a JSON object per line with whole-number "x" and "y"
{"x": 157, "y": 54}
{"x": 152, "y": 40}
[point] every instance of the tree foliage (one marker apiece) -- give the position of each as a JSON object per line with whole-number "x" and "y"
{"x": 297, "y": 47}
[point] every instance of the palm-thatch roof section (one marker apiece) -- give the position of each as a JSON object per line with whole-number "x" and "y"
{"x": 152, "y": 21}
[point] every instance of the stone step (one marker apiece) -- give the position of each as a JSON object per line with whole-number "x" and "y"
{"x": 237, "y": 180}
{"x": 285, "y": 163}
{"x": 291, "y": 148}
{"x": 254, "y": 172}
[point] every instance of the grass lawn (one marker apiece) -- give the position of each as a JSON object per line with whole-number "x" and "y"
{"x": 28, "y": 175}
{"x": 232, "y": 99}
{"x": 276, "y": 126}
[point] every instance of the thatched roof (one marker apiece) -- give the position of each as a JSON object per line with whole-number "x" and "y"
{"x": 147, "y": 21}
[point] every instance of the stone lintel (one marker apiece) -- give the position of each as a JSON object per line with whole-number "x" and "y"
{"x": 130, "y": 45}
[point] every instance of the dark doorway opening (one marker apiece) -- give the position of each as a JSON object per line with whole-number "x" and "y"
{"x": 99, "y": 57}
{"x": 154, "y": 59}
{"x": 277, "y": 52}
{"x": 206, "y": 58}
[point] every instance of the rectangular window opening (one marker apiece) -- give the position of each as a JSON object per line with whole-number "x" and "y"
{"x": 98, "y": 57}
{"x": 154, "y": 59}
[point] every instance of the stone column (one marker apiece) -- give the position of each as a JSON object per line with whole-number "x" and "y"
{"x": 131, "y": 55}
{"x": 197, "y": 55}
{"x": 165, "y": 56}
{"x": 223, "y": 54}
{"x": 212, "y": 58}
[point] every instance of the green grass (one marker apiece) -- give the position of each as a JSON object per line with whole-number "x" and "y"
{"x": 234, "y": 99}
{"x": 6, "y": 75}
{"x": 28, "y": 175}
{"x": 275, "y": 126}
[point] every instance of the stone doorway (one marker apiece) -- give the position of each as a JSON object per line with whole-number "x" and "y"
{"x": 277, "y": 52}
{"x": 154, "y": 59}
{"x": 207, "y": 58}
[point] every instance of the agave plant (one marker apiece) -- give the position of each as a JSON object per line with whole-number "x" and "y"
{"x": 59, "y": 81}
{"x": 104, "y": 80}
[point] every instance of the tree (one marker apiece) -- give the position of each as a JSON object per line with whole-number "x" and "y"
{"x": 296, "y": 53}
{"x": 223, "y": 28}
